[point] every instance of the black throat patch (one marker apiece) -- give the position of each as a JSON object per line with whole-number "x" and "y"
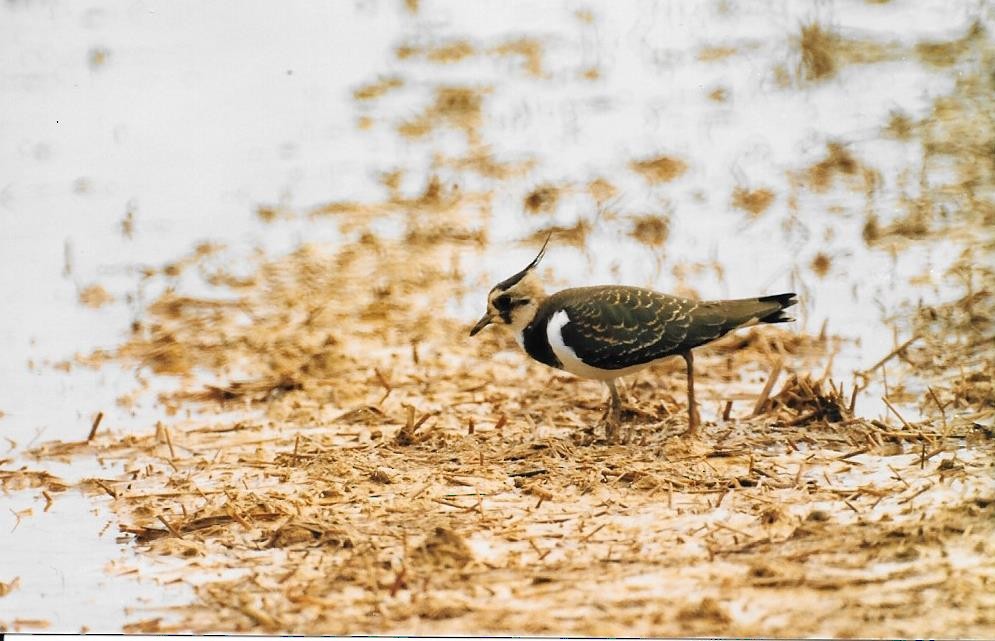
{"x": 536, "y": 342}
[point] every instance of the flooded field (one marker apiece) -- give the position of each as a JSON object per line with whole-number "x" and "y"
{"x": 243, "y": 248}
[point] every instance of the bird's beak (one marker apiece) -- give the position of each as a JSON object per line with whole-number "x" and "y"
{"x": 481, "y": 324}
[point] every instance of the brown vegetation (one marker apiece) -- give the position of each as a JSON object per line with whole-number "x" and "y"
{"x": 824, "y": 51}
{"x": 755, "y": 201}
{"x": 95, "y": 296}
{"x": 947, "y": 53}
{"x": 542, "y": 199}
{"x": 378, "y": 88}
{"x": 456, "y": 107}
{"x": 651, "y": 230}
{"x": 661, "y": 169}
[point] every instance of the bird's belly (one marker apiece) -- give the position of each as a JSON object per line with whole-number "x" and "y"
{"x": 578, "y": 367}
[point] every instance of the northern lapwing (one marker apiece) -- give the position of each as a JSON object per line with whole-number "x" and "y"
{"x": 608, "y": 331}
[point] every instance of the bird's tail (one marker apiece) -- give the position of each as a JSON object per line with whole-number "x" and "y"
{"x": 778, "y": 315}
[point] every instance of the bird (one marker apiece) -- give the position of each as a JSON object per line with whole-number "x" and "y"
{"x": 605, "y": 332}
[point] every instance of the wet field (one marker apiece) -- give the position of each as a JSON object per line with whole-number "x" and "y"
{"x": 241, "y": 261}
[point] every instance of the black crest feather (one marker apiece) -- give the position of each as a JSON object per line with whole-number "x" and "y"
{"x": 510, "y": 282}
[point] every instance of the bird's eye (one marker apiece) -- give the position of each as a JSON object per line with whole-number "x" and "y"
{"x": 502, "y": 302}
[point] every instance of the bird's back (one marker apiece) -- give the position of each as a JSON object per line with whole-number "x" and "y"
{"x": 615, "y": 326}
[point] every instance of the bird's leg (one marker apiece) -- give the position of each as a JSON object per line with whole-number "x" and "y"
{"x": 613, "y": 417}
{"x": 693, "y": 418}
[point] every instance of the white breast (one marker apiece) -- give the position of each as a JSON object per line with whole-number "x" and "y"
{"x": 566, "y": 355}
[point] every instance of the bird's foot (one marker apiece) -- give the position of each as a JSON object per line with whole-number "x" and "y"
{"x": 587, "y": 435}
{"x": 694, "y": 422}
{"x": 693, "y": 430}
{"x": 612, "y": 431}
{"x": 613, "y": 424}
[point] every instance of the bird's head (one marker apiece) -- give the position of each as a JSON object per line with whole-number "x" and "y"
{"x": 514, "y": 301}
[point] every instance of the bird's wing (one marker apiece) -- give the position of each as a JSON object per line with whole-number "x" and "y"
{"x": 618, "y": 327}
